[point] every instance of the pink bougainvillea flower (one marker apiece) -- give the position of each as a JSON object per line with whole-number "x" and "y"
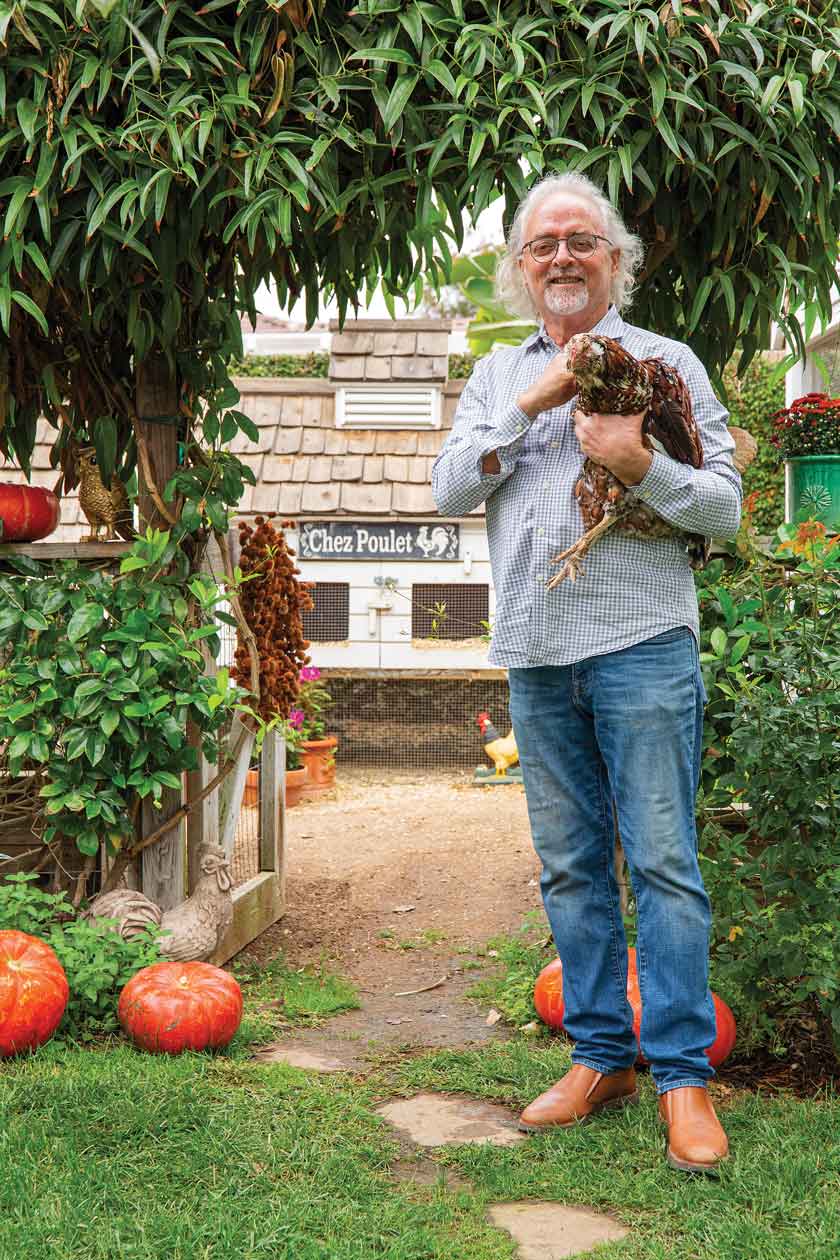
{"x": 309, "y": 673}
{"x": 296, "y": 718}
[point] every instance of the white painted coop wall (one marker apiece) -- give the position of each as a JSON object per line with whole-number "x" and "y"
{"x": 382, "y": 640}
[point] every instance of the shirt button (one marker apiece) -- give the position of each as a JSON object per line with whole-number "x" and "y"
{"x": 555, "y": 443}
{"x": 540, "y": 577}
{"x": 540, "y": 530}
{"x": 546, "y": 485}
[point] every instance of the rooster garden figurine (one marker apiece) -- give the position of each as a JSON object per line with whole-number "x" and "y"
{"x": 612, "y": 382}
{"x": 502, "y": 752}
{"x": 195, "y": 928}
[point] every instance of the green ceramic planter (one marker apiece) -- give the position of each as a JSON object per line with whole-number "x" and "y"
{"x": 812, "y": 484}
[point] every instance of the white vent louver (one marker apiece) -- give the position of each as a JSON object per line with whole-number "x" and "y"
{"x": 388, "y": 407}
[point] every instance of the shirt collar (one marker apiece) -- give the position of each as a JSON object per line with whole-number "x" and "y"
{"x": 610, "y": 325}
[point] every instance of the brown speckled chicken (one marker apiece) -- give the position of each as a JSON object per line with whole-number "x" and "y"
{"x": 611, "y": 381}
{"x": 110, "y": 508}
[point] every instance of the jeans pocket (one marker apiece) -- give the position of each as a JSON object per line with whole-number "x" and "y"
{"x": 671, "y": 636}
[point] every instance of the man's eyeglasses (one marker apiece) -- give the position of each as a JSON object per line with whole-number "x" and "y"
{"x": 580, "y": 245}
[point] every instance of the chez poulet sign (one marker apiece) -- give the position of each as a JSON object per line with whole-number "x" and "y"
{"x": 377, "y": 540}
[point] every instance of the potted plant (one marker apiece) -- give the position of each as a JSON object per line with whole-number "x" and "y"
{"x": 295, "y": 769}
{"x": 807, "y": 433}
{"x": 318, "y": 748}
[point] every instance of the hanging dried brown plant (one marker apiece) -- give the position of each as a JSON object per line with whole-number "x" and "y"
{"x": 273, "y": 600}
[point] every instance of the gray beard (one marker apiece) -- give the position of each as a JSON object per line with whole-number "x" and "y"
{"x": 562, "y": 299}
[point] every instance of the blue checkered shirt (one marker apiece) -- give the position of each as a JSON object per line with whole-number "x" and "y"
{"x": 632, "y": 588}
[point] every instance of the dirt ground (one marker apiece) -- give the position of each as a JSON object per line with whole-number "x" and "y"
{"x": 394, "y": 881}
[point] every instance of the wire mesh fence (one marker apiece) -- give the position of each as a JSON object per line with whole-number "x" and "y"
{"x": 414, "y": 723}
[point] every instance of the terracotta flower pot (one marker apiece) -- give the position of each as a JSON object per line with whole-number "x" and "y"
{"x": 295, "y": 781}
{"x": 27, "y": 512}
{"x": 319, "y": 759}
{"x": 252, "y": 788}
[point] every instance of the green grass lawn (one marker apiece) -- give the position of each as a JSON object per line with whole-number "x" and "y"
{"x": 108, "y": 1153}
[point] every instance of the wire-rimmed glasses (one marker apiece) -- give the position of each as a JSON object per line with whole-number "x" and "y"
{"x": 544, "y": 249}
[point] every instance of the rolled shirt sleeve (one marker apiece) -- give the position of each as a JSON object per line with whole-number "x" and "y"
{"x": 458, "y": 483}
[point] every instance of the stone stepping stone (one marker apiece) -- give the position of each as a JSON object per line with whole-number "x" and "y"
{"x": 301, "y": 1057}
{"x": 437, "y": 1120}
{"x": 551, "y": 1231}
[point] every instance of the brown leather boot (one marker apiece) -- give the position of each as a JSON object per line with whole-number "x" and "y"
{"x": 581, "y": 1094}
{"x": 696, "y": 1140}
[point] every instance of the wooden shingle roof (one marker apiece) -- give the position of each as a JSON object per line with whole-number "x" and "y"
{"x": 305, "y": 466}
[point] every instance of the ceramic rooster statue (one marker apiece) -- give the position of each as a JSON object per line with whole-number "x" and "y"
{"x": 613, "y": 382}
{"x": 103, "y": 507}
{"x": 195, "y": 927}
{"x": 502, "y": 752}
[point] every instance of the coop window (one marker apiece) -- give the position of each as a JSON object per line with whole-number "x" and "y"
{"x": 329, "y": 620}
{"x": 449, "y": 610}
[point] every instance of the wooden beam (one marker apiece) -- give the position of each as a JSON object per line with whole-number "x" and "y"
{"x": 256, "y": 905}
{"x": 273, "y": 805}
{"x": 157, "y": 395}
{"x": 66, "y": 551}
{"x": 203, "y": 821}
{"x": 163, "y": 865}
{"x": 233, "y": 788}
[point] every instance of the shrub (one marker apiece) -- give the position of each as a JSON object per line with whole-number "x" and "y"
{"x": 752, "y": 400}
{"x": 771, "y": 656}
{"x": 100, "y": 676}
{"x": 97, "y": 961}
{"x": 283, "y": 365}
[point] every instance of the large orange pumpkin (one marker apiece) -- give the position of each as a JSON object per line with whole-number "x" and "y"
{"x": 548, "y": 999}
{"x": 27, "y": 512}
{"x": 33, "y": 992}
{"x": 175, "y": 1006}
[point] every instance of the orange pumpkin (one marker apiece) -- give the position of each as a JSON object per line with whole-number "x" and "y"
{"x": 548, "y": 999}
{"x": 175, "y": 1006}
{"x": 33, "y": 992}
{"x": 27, "y": 512}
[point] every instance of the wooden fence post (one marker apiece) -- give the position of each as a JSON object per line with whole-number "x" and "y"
{"x": 163, "y": 866}
{"x": 273, "y": 809}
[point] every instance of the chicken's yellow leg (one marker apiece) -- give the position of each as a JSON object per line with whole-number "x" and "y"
{"x": 574, "y": 555}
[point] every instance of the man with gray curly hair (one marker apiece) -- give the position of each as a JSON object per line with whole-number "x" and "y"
{"x": 606, "y": 694}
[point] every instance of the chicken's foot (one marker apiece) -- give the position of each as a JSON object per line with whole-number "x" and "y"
{"x": 573, "y": 555}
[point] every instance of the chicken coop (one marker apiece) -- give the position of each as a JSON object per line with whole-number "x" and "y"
{"x": 403, "y": 598}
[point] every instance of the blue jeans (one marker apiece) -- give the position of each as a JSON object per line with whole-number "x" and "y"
{"x": 626, "y": 726}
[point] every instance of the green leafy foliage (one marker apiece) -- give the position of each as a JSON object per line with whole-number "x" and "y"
{"x": 753, "y": 398}
{"x": 98, "y": 681}
{"x": 771, "y": 660}
{"x": 475, "y": 276}
{"x": 314, "y": 699}
{"x": 283, "y": 365}
{"x": 96, "y": 960}
{"x": 161, "y": 161}
{"x": 519, "y": 958}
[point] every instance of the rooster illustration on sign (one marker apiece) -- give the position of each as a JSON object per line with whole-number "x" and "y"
{"x": 435, "y": 545}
